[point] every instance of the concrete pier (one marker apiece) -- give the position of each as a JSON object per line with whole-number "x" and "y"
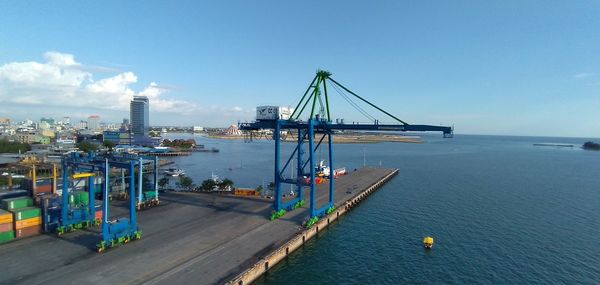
{"x": 191, "y": 237}
{"x": 277, "y": 255}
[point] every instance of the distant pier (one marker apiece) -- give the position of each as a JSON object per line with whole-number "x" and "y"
{"x": 553, "y": 144}
{"x": 172, "y": 153}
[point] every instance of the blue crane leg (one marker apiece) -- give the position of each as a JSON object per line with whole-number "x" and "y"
{"x": 140, "y": 183}
{"x": 105, "y": 208}
{"x": 299, "y": 170}
{"x": 276, "y": 137}
{"x": 331, "y": 170}
{"x": 132, "y": 209}
{"x": 311, "y": 153}
{"x": 156, "y": 177}
{"x": 65, "y": 192}
{"x": 92, "y": 199}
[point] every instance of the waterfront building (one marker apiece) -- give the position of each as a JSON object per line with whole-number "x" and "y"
{"x": 82, "y": 125}
{"x": 93, "y": 123}
{"x": 117, "y": 137}
{"x": 140, "y": 115}
{"x": 233, "y": 131}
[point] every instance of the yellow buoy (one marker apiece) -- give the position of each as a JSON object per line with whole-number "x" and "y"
{"x": 428, "y": 242}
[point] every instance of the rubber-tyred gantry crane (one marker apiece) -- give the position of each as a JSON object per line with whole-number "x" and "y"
{"x": 319, "y": 122}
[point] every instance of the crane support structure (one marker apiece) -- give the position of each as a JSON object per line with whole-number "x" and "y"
{"x": 117, "y": 231}
{"x": 318, "y": 126}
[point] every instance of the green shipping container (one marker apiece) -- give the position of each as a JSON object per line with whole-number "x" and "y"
{"x": 84, "y": 198}
{"x": 26, "y": 213}
{"x": 150, "y": 195}
{"x": 7, "y": 236}
{"x": 17, "y": 203}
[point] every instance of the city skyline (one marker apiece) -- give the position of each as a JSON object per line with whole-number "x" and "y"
{"x": 486, "y": 68}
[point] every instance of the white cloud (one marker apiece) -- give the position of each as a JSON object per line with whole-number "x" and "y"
{"x": 62, "y": 81}
{"x": 60, "y": 59}
{"x": 582, "y": 75}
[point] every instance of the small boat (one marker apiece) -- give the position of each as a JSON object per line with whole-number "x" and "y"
{"x": 174, "y": 172}
{"x": 428, "y": 242}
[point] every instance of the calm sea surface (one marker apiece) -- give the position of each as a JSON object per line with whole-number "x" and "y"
{"x": 500, "y": 209}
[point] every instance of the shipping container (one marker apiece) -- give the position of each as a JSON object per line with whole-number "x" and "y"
{"x": 5, "y": 217}
{"x": 98, "y": 215}
{"x": 28, "y": 183}
{"x": 16, "y": 203}
{"x": 273, "y": 113}
{"x": 6, "y": 227}
{"x": 150, "y": 195}
{"x": 39, "y": 198}
{"x": 26, "y": 213}
{"x": 28, "y": 223}
{"x": 79, "y": 198}
{"x": 15, "y": 193}
{"x": 7, "y": 236}
{"x": 28, "y": 231}
{"x": 43, "y": 189}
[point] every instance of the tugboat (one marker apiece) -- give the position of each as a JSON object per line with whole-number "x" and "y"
{"x": 428, "y": 242}
{"x": 174, "y": 172}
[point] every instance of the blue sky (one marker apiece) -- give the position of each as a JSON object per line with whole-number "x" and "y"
{"x": 488, "y": 67}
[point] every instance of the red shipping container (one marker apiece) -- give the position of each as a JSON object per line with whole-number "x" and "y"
{"x": 28, "y": 231}
{"x": 43, "y": 189}
{"x": 98, "y": 215}
{"x": 6, "y": 227}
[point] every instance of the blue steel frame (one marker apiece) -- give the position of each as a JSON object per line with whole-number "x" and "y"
{"x": 71, "y": 218}
{"x": 313, "y": 125}
{"x": 305, "y": 131}
{"x": 122, "y": 230}
{"x": 113, "y": 232}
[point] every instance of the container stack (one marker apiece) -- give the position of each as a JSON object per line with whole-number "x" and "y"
{"x": 41, "y": 185}
{"x": 7, "y": 232}
{"x": 27, "y": 220}
{"x": 51, "y": 212}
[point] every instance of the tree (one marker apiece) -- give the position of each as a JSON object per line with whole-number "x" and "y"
{"x": 13, "y": 147}
{"x": 109, "y": 145}
{"x": 226, "y": 184}
{"x": 208, "y": 185}
{"x": 185, "y": 182}
{"x": 163, "y": 182}
{"x": 259, "y": 189}
{"x": 86, "y": 146}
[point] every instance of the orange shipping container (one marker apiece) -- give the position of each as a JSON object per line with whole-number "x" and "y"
{"x": 5, "y": 217}
{"x": 6, "y": 227}
{"x": 28, "y": 231}
{"x": 43, "y": 189}
{"x": 28, "y": 223}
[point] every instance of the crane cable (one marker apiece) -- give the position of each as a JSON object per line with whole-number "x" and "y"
{"x": 353, "y": 104}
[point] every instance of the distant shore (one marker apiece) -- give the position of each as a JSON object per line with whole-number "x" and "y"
{"x": 344, "y": 139}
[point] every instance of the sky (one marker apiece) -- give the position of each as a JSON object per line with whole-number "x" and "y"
{"x": 485, "y": 67}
